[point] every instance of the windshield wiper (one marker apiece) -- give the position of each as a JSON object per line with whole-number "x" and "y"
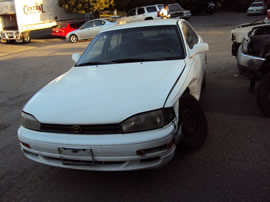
{"x": 93, "y": 63}
{"x": 134, "y": 60}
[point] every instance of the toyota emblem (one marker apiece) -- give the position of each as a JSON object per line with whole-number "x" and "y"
{"x": 76, "y": 129}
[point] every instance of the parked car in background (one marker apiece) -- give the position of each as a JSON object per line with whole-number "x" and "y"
{"x": 253, "y": 62}
{"x": 256, "y": 8}
{"x": 19, "y": 18}
{"x": 150, "y": 12}
{"x": 176, "y": 11}
{"x": 125, "y": 105}
{"x": 62, "y": 29}
{"x": 90, "y": 29}
{"x": 238, "y": 33}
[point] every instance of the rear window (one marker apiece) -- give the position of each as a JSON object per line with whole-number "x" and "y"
{"x": 160, "y": 6}
{"x": 61, "y": 26}
{"x": 110, "y": 19}
{"x": 151, "y": 9}
{"x": 175, "y": 7}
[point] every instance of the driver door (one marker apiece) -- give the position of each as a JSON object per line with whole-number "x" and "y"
{"x": 85, "y": 29}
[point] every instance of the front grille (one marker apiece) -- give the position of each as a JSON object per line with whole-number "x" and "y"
{"x": 82, "y": 129}
{"x": 10, "y": 35}
{"x": 176, "y": 14}
{"x": 90, "y": 163}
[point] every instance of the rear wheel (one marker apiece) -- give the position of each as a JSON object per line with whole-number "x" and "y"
{"x": 263, "y": 95}
{"x": 73, "y": 38}
{"x": 194, "y": 122}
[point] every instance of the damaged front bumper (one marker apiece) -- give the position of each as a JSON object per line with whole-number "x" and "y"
{"x": 248, "y": 65}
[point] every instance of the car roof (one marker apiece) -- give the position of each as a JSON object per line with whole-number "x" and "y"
{"x": 148, "y": 6}
{"x": 147, "y": 23}
{"x": 105, "y": 19}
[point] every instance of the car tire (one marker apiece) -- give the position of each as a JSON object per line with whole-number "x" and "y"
{"x": 26, "y": 38}
{"x": 73, "y": 38}
{"x": 263, "y": 95}
{"x": 193, "y": 122}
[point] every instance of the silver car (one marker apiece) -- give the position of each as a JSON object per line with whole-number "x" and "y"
{"x": 256, "y": 8}
{"x": 90, "y": 29}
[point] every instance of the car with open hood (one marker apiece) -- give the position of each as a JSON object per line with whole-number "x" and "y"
{"x": 130, "y": 98}
{"x": 253, "y": 62}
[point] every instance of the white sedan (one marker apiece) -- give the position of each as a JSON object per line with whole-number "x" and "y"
{"x": 90, "y": 29}
{"x": 125, "y": 105}
{"x": 256, "y": 8}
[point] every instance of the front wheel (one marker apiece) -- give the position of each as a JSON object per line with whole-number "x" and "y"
{"x": 26, "y": 38}
{"x": 263, "y": 95}
{"x": 193, "y": 122}
{"x": 73, "y": 38}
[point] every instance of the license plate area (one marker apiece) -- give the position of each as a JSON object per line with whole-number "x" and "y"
{"x": 82, "y": 156}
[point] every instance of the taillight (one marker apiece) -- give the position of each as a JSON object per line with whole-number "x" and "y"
{"x": 158, "y": 14}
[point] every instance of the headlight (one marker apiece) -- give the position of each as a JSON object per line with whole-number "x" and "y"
{"x": 148, "y": 120}
{"x": 30, "y": 122}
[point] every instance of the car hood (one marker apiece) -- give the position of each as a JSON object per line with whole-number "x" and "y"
{"x": 251, "y": 24}
{"x": 105, "y": 94}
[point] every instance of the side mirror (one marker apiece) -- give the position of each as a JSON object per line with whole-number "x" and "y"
{"x": 199, "y": 48}
{"x": 76, "y": 57}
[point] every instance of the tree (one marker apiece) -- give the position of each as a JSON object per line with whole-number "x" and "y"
{"x": 85, "y": 6}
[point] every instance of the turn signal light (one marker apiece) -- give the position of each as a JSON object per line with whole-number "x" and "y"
{"x": 26, "y": 145}
{"x": 143, "y": 152}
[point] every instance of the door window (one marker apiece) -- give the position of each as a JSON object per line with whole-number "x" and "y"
{"x": 141, "y": 11}
{"x": 99, "y": 22}
{"x": 151, "y": 9}
{"x": 131, "y": 12}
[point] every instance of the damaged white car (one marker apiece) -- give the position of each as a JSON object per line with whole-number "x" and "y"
{"x": 125, "y": 105}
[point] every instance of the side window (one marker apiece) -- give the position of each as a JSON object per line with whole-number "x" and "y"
{"x": 190, "y": 36}
{"x": 87, "y": 25}
{"x": 99, "y": 23}
{"x": 72, "y": 26}
{"x": 131, "y": 12}
{"x": 141, "y": 11}
{"x": 151, "y": 9}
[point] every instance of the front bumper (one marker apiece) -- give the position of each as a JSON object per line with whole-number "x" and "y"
{"x": 117, "y": 152}
{"x": 10, "y": 35}
{"x": 248, "y": 65}
{"x": 255, "y": 12}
